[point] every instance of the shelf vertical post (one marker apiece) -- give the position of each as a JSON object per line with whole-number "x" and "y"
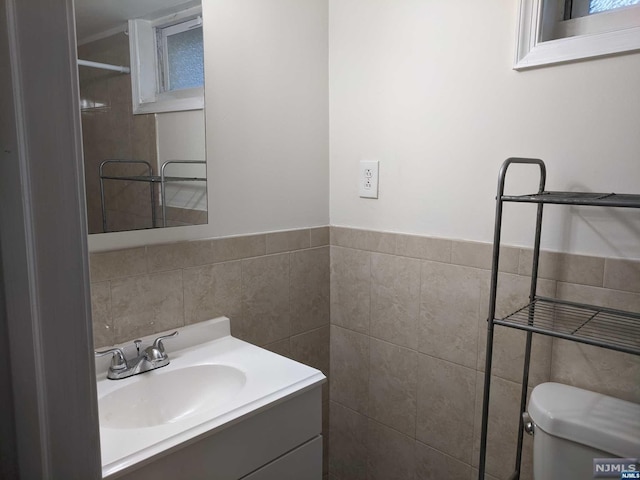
{"x": 492, "y": 307}
{"x": 102, "y": 204}
{"x": 152, "y": 191}
{"x": 532, "y": 296}
{"x": 491, "y": 315}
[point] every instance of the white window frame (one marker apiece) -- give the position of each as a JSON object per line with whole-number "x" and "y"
{"x": 162, "y": 36}
{"x": 607, "y": 33}
{"x": 146, "y": 85}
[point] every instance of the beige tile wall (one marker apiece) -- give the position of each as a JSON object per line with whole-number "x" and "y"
{"x": 408, "y": 336}
{"x": 407, "y": 332}
{"x": 111, "y": 131}
{"x": 274, "y": 288}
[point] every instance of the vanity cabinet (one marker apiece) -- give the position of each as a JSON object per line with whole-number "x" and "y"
{"x": 304, "y": 462}
{"x": 280, "y": 442}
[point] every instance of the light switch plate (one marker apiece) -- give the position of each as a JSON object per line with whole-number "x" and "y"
{"x": 368, "y": 179}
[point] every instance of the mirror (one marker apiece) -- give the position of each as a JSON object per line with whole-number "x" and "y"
{"x": 142, "y": 107}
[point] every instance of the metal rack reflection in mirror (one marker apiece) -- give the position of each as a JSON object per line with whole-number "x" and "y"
{"x": 154, "y": 171}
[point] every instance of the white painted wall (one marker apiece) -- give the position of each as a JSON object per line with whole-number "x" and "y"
{"x": 267, "y": 114}
{"x": 266, "y": 96}
{"x": 427, "y": 88}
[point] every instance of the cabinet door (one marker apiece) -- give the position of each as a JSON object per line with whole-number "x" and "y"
{"x": 303, "y": 463}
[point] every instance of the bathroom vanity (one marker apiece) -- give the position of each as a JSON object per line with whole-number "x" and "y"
{"x": 222, "y": 409}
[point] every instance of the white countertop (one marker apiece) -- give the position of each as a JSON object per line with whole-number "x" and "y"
{"x": 270, "y": 379}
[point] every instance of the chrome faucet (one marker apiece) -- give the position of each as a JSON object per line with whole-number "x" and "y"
{"x": 152, "y": 357}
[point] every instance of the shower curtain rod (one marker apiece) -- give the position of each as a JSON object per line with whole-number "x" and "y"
{"x": 104, "y": 66}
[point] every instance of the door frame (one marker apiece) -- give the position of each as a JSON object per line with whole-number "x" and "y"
{"x": 45, "y": 307}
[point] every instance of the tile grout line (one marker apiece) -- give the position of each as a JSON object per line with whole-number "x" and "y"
{"x": 553, "y": 340}
{"x": 418, "y": 322}
{"x": 289, "y": 296}
{"x": 184, "y": 306}
{"x": 444, "y": 453}
{"x": 289, "y": 301}
{"x": 370, "y": 337}
{"x": 111, "y": 317}
{"x": 242, "y": 303}
{"x": 184, "y": 303}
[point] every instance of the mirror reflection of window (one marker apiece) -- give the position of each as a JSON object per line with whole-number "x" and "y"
{"x": 181, "y": 55}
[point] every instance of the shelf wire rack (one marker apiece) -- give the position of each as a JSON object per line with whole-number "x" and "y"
{"x": 599, "y": 326}
{"x": 578, "y": 198}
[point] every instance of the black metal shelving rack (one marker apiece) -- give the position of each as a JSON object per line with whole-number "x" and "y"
{"x": 603, "y": 327}
{"x": 149, "y": 178}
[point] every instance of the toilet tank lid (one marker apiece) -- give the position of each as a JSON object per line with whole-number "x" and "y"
{"x": 598, "y": 421}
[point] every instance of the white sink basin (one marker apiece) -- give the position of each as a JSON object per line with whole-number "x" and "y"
{"x": 214, "y": 380}
{"x": 160, "y": 397}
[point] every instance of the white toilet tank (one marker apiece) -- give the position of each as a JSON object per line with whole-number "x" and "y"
{"x": 574, "y": 426}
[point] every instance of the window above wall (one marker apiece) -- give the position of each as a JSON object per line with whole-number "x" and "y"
{"x": 167, "y": 63}
{"x": 557, "y": 31}
{"x": 582, "y": 8}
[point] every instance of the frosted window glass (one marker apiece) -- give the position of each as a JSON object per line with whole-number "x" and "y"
{"x": 186, "y": 59}
{"x": 597, "y": 6}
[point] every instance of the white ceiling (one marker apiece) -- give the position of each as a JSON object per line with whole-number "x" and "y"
{"x": 94, "y": 17}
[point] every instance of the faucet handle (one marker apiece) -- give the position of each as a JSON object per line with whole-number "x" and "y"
{"x": 157, "y": 344}
{"x": 118, "y": 361}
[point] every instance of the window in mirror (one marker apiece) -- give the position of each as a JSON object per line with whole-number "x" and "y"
{"x": 181, "y": 55}
{"x": 557, "y": 31}
{"x": 167, "y": 62}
